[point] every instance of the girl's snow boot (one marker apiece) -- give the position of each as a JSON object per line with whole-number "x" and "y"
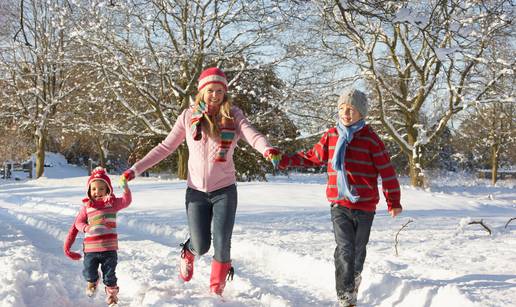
{"x": 186, "y": 263}
{"x": 91, "y": 288}
{"x": 219, "y": 272}
{"x": 111, "y": 295}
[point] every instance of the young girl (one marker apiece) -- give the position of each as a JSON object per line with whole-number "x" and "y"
{"x": 97, "y": 219}
{"x": 211, "y": 128}
{"x": 354, "y": 156}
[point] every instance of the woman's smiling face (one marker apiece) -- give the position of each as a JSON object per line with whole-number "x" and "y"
{"x": 214, "y": 94}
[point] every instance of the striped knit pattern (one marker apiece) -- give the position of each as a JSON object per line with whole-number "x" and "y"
{"x": 226, "y": 126}
{"x": 212, "y": 75}
{"x": 195, "y": 121}
{"x": 102, "y": 235}
{"x": 213, "y": 79}
{"x": 227, "y": 134}
{"x": 366, "y": 158}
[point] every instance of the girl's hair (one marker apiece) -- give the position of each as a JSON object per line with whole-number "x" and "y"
{"x": 210, "y": 122}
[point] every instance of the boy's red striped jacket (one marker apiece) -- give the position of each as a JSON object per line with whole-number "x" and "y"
{"x": 366, "y": 158}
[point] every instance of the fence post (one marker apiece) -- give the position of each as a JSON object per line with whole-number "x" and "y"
{"x": 31, "y": 165}
{"x": 90, "y": 166}
{"x": 10, "y": 168}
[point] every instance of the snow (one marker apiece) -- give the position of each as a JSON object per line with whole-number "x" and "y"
{"x": 282, "y": 245}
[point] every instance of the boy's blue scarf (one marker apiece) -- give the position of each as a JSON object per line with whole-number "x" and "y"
{"x": 345, "y": 137}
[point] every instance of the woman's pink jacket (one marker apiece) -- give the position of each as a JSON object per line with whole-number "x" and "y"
{"x": 204, "y": 173}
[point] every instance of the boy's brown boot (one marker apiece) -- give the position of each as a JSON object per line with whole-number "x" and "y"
{"x": 347, "y": 299}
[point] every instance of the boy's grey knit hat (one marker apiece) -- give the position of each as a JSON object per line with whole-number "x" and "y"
{"x": 355, "y": 98}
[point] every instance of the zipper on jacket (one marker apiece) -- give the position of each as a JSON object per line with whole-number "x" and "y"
{"x": 205, "y": 148}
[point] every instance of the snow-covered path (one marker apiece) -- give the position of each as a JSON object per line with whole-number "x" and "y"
{"x": 282, "y": 247}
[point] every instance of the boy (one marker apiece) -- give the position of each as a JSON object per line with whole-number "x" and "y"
{"x": 97, "y": 219}
{"x": 354, "y": 156}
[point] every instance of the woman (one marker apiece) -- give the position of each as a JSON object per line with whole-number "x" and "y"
{"x": 211, "y": 128}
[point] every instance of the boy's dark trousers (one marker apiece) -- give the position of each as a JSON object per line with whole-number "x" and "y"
{"x": 351, "y": 228}
{"x": 107, "y": 261}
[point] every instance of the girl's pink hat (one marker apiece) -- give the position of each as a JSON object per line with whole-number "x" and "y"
{"x": 99, "y": 173}
{"x": 212, "y": 75}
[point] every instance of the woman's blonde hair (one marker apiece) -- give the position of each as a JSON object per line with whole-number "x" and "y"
{"x": 211, "y": 122}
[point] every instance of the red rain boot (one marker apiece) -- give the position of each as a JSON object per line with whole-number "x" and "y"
{"x": 219, "y": 272}
{"x": 186, "y": 264}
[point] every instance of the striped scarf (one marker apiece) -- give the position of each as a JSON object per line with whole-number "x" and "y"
{"x": 226, "y": 128}
{"x": 345, "y": 137}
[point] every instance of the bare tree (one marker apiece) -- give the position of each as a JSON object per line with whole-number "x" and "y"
{"x": 487, "y": 130}
{"x": 149, "y": 54}
{"x": 36, "y": 69}
{"x": 495, "y": 115}
{"x": 420, "y": 59}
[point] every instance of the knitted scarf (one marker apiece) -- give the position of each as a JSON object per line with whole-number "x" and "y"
{"x": 107, "y": 201}
{"x": 345, "y": 137}
{"x": 226, "y": 128}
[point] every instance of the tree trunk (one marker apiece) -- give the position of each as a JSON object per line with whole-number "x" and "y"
{"x": 494, "y": 163}
{"x": 102, "y": 156}
{"x": 182, "y": 162}
{"x": 182, "y": 151}
{"x": 417, "y": 178}
{"x": 40, "y": 153}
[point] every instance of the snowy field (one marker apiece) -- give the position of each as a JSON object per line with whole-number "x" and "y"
{"x": 282, "y": 245}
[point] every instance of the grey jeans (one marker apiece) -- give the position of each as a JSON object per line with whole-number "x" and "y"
{"x": 211, "y": 213}
{"x": 351, "y": 228}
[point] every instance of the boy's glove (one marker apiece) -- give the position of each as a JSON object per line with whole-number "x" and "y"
{"x": 274, "y": 156}
{"x": 284, "y": 162}
{"x": 70, "y": 238}
{"x": 129, "y": 174}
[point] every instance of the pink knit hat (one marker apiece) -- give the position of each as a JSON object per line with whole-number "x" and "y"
{"x": 212, "y": 75}
{"x": 99, "y": 173}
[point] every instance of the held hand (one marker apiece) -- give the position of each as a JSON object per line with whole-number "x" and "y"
{"x": 395, "y": 212}
{"x": 122, "y": 182}
{"x": 86, "y": 229}
{"x": 274, "y": 156}
{"x": 129, "y": 174}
